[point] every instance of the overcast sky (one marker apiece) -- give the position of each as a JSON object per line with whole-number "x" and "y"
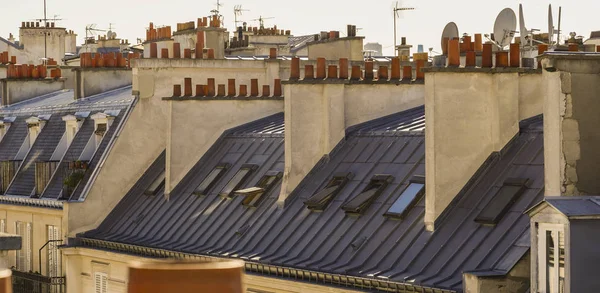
{"x": 421, "y": 26}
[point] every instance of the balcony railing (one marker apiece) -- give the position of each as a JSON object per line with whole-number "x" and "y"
{"x": 36, "y": 283}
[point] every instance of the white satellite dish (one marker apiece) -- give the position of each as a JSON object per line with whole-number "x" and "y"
{"x": 550, "y": 25}
{"x": 450, "y": 32}
{"x": 504, "y": 27}
{"x": 523, "y": 32}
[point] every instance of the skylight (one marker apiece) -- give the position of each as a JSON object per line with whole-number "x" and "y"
{"x": 255, "y": 195}
{"x": 361, "y": 202}
{"x": 209, "y": 182}
{"x": 156, "y": 185}
{"x": 500, "y": 204}
{"x": 409, "y": 197}
{"x": 320, "y": 200}
{"x": 237, "y": 180}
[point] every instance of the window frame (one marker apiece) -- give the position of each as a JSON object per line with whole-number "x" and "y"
{"x": 250, "y": 167}
{"x": 254, "y": 196}
{"x": 416, "y": 179}
{"x": 158, "y": 187}
{"x": 223, "y": 167}
{"x": 522, "y": 183}
{"x": 383, "y": 180}
{"x": 320, "y": 205}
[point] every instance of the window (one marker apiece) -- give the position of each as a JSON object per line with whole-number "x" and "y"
{"x": 361, "y": 202}
{"x": 156, "y": 185}
{"x": 54, "y": 261}
{"x": 506, "y": 196}
{"x": 210, "y": 180}
{"x": 409, "y": 197}
{"x": 237, "y": 180}
{"x": 320, "y": 200}
{"x": 551, "y": 258}
{"x": 255, "y": 195}
{"x": 101, "y": 282}
{"x": 3, "y": 226}
{"x": 24, "y": 256}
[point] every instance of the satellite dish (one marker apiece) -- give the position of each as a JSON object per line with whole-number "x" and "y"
{"x": 550, "y": 25}
{"x": 450, "y": 32}
{"x": 523, "y": 32}
{"x": 504, "y": 27}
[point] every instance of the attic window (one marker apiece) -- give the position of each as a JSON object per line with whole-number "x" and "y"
{"x": 100, "y": 129}
{"x": 237, "y": 180}
{"x": 255, "y": 195}
{"x": 361, "y": 202}
{"x": 409, "y": 197}
{"x": 320, "y": 200}
{"x": 156, "y": 185}
{"x": 210, "y": 180}
{"x": 506, "y": 196}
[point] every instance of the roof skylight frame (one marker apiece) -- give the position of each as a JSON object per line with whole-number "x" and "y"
{"x": 507, "y": 195}
{"x": 417, "y": 181}
{"x": 221, "y": 169}
{"x": 320, "y": 200}
{"x": 157, "y": 184}
{"x": 253, "y": 196}
{"x": 360, "y": 203}
{"x": 228, "y": 190}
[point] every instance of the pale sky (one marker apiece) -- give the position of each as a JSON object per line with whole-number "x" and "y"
{"x": 424, "y": 25}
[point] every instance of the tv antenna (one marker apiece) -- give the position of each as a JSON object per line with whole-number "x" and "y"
{"x": 216, "y": 11}
{"x": 504, "y": 27}
{"x": 90, "y": 31}
{"x": 450, "y": 31}
{"x": 237, "y": 11}
{"x": 261, "y": 21}
{"x": 396, "y": 15}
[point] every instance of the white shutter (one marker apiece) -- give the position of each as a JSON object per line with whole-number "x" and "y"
{"x": 3, "y": 225}
{"x": 100, "y": 280}
{"x": 27, "y": 240}
{"x": 54, "y": 261}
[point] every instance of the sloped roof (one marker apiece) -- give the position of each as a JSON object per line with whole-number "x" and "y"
{"x": 54, "y": 106}
{"x": 573, "y": 207}
{"x": 16, "y": 46}
{"x": 370, "y": 246}
{"x": 296, "y": 43}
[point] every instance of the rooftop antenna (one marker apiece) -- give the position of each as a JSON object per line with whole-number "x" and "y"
{"x": 559, "y": 16}
{"x": 261, "y": 21}
{"x": 450, "y": 31}
{"x": 45, "y": 20}
{"x": 237, "y": 11}
{"x": 504, "y": 27}
{"x": 396, "y": 15}
{"x": 90, "y": 32}
{"x": 523, "y": 32}
{"x": 217, "y": 12}
{"x": 550, "y": 25}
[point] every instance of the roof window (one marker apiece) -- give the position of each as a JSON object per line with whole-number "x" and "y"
{"x": 238, "y": 179}
{"x": 500, "y": 204}
{"x": 211, "y": 179}
{"x": 157, "y": 184}
{"x": 409, "y": 197}
{"x": 361, "y": 202}
{"x": 320, "y": 200}
{"x": 255, "y": 195}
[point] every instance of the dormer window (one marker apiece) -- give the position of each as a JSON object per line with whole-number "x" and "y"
{"x": 507, "y": 195}
{"x": 238, "y": 180}
{"x": 157, "y": 184}
{"x": 360, "y": 203}
{"x": 255, "y": 195}
{"x": 100, "y": 129}
{"x": 320, "y": 200}
{"x": 34, "y": 127}
{"x": 213, "y": 177}
{"x": 409, "y": 197}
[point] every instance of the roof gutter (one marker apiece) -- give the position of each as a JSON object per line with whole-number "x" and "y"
{"x": 299, "y": 275}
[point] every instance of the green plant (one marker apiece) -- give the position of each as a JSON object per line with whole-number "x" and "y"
{"x": 73, "y": 179}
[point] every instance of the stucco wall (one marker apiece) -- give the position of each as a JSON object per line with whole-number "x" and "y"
{"x": 516, "y": 281}
{"x": 82, "y": 263}
{"x": 40, "y": 218}
{"x": 168, "y": 44}
{"x": 14, "y": 91}
{"x": 34, "y": 42}
{"x": 92, "y": 81}
{"x": 350, "y": 48}
{"x": 531, "y": 95}
{"x": 468, "y": 116}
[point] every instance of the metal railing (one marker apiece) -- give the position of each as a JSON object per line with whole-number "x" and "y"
{"x": 35, "y": 283}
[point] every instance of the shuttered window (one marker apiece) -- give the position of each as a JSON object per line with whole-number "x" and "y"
{"x": 101, "y": 282}
{"x": 24, "y": 256}
{"x": 3, "y": 225}
{"x": 54, "y": 256}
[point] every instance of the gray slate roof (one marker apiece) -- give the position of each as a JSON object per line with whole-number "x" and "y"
{"x": 575, "y": 206}
{"x": 57, "y": 105}
{"x": 369, "y": 246}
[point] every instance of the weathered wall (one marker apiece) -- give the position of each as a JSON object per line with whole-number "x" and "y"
{"x": 335, "y": 49}
{"x": 215, "y": 38}
{"x": 168, "y": 44}
{"x": 34, "y": 42}
{"x": 92, "y": 81}
{"x": 14, "y": 90}
{"x": 468, "y": 116}
{"x": 531, "y": 95}
{"x": 516, "y": 281}
{"x": 83, "y": 262}
{"x": 571, "y": 139}
{"x": 40, "y": 218}
{"x": 318, "y": 114}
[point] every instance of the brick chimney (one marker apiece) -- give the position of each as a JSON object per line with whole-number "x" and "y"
{"x": 571, "y": 140}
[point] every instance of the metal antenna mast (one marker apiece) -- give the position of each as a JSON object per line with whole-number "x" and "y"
{"x": 237, "y": 11}
{"x": 396, "y": 15}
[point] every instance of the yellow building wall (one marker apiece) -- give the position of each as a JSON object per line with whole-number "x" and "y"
{"x": 83, "y": 263}
{"x": 40, "y": 218}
